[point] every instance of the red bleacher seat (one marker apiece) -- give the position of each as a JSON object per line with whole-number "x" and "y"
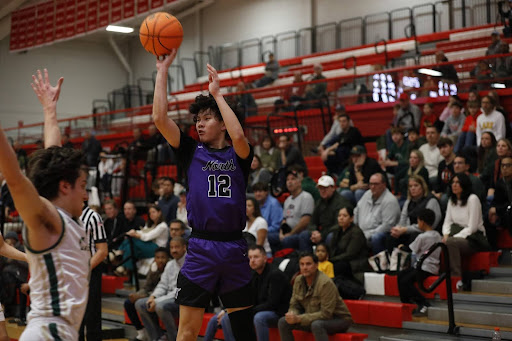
{"x": 391, "y": 287}
{"x": 109, "y": 284}
{"x": 481, "y": 261}
{"x": 504, "y": 239}
{"x": 376, "y": 313}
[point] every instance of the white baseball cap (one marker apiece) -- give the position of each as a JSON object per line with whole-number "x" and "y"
{"x": 325, "y": 181}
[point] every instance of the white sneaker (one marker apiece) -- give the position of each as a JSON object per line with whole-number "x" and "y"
{"x": 141, "y": 335}
{"x": 459, "y": 285}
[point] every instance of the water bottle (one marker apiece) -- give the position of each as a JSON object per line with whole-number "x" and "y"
{"x": 496, "y": 335}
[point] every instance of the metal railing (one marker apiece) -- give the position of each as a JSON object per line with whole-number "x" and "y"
{"x": 443, "y": 276}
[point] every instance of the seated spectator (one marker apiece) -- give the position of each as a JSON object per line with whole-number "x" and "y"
{"x": 297, "y": 211}
{"x": 294, "y": 95}
{"x": 326, "y": 211}
{"x": 14, "y": 276}
{"x": 448, "y": 71}
{"x": 257, "y": 225}
{"x": 483, "y": 74}
{"x": 219, "y": 320}
{"x": 454, "y": 123}
{"x": 177, "y": 228}
{"x": 429, "y": 118}
{"x": 181, "y": 211}
{"x": 272, "y": 293}
{"x": 431, "y": 154}
{"x": 486, "y": 152}
{"x": 161, "y": 304}
{"x": 500, "y": 212}
{"x": 467, "y": 137}
{"x": 396, "y": 160}
{"x": 115, "y": 224}
{"x": 271, "y": 211}
{"x": 152, "y": 279}
{"x": 418, "y": 198}
{"x": 333, "y": 132}
{"x": 257, "y": 174}
{"x": 269, "y": 155}
{"x": 290, "y": 155}
{"x": 316, "y": 305}
{"x": 503, "y": 64}
{"x": 416, "y": 168}
{"x": 376, "y": 212}
{"x": 315, "y": 92}
{"x": 245, "y": 101}
{"x": 271, "y": 72}
{"x": 508, "y": 129}
{"x": 492, "y": 173}
{"x": 447, "y": 111}
{"x": 105, "y": 169}
{"x": 494, "y": 47}
{"x": 322, "y": 252}
{"x": 355, "y": 178}
{"x": 474, "y": 96}
{"x": 145, "y": 241}
{"x": 415, "y": 141}
{"x": 307, "y": 183}
{"x": 168, "y": 202}
{"x": 444, "y": 171}
{"x": 336, "y": 152}
{"x": 430, "y": 267}
{"x": 463, "y": 227}
{"x": 409, "y": 115}
{"x": 349, "y": 249}
{"x": 461, "y": 164}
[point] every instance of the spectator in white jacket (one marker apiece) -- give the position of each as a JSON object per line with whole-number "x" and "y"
{"x": 491, "y": 120}
{"x": 161, "y": 303}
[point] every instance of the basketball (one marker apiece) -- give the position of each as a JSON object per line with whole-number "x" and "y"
{"x": 160, "y": 33}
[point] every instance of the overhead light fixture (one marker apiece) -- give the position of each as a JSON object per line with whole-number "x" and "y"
{"x": 119, "y": 29}
{"x": 498, "y": 85}
{"x": 430, "y": 72}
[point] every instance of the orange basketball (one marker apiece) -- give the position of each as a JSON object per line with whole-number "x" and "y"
{"x": 160, "y": 32}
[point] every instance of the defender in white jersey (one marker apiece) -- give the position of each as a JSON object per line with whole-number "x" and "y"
{"x": 50, "y": 204}
{"x": 10, "y": 252}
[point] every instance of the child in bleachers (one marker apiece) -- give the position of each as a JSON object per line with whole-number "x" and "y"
{"x": 322, "y": 252}
{"x": 454, "y": 123}
{"x": 467, "y": 137}
{"x": 430, "y": 267}
{"x": 428, "y": 118}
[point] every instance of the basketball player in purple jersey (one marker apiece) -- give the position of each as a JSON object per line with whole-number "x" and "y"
{"x": 216, "y": 263}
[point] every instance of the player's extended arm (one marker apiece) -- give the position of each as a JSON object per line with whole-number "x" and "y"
{"x": 167, "y": 126}
{"x": 8, "y": 251}
{"x": 35, "y": 210}
{"x": 48, "y": 96}
{"x": 232, "y": 123}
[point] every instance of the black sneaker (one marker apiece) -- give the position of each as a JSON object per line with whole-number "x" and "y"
{"x": 421, "y": 311}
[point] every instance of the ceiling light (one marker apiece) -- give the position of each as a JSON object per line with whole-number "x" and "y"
{"x": 430, "y": 72}
{"x": 119, "y": 29}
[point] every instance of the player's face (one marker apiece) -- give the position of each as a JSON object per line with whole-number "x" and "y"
{"x": 79, "y": 195}
{"x": 257, "y": 260}
{"x": 208, "y": 127}
{"x": 161, "y": 259}
{"x": 321, "y": 253}
{"x": 177, "y": 250}
{"x": 307, "y": 266}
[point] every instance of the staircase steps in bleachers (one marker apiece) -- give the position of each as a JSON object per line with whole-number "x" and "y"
{"x": 438, "y": 330}
{"x": 498, "y": 285}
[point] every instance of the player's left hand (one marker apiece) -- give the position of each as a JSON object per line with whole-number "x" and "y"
{"x": 47, "y": 94}
{"x": 213, "y": 79}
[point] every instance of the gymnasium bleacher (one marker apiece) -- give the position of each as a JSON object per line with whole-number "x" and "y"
{"x": 380, "y": 315}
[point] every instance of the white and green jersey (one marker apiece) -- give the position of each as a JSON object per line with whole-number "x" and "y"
{"x": 59, "y": 275}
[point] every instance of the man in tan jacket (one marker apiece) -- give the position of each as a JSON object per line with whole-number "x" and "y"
{"x": 316, "y": 305}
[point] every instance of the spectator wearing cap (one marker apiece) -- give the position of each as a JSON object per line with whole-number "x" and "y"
{"x": 376, "y": 212}
{"x": 494, "y": 47}
{"x": 336, "y": 155}
{"x": 271, "y": 211}
{"x": 453, "y": 125}
{"x": 444, "y": 171}
{"x": 431, "y": 154}
{"x": 297, "y": 211}
{"x": 356, "y": 177}
{"x": 408, "y": 115}
{"x": 326, "y": 210}
{"x": 290, "y": 155}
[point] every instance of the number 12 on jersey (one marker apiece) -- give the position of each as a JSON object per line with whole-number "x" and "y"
{"x": 219, "y": 186}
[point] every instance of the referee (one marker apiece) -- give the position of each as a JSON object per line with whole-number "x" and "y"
{"x": 99, "y": 250}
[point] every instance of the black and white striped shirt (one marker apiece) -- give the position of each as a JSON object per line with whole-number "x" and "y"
{"x": 94, "y": 227}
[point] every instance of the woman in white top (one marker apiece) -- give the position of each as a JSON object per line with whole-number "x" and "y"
{"x": 463, "y": 219}
{"x": 257, "y": 225}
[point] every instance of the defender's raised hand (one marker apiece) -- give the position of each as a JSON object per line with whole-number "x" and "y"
{"x": 47, "y": 94}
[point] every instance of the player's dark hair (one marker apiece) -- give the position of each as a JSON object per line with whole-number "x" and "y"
{"x": 428, "y": 216}
{"x": 203, "y": 103}
{"x": 48, "y": 167}
{"x": 182, "y": 224}
{"x": 258, "y": 247}
{"x": 308, "y": 254}
{"x": 164, "y": 250}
